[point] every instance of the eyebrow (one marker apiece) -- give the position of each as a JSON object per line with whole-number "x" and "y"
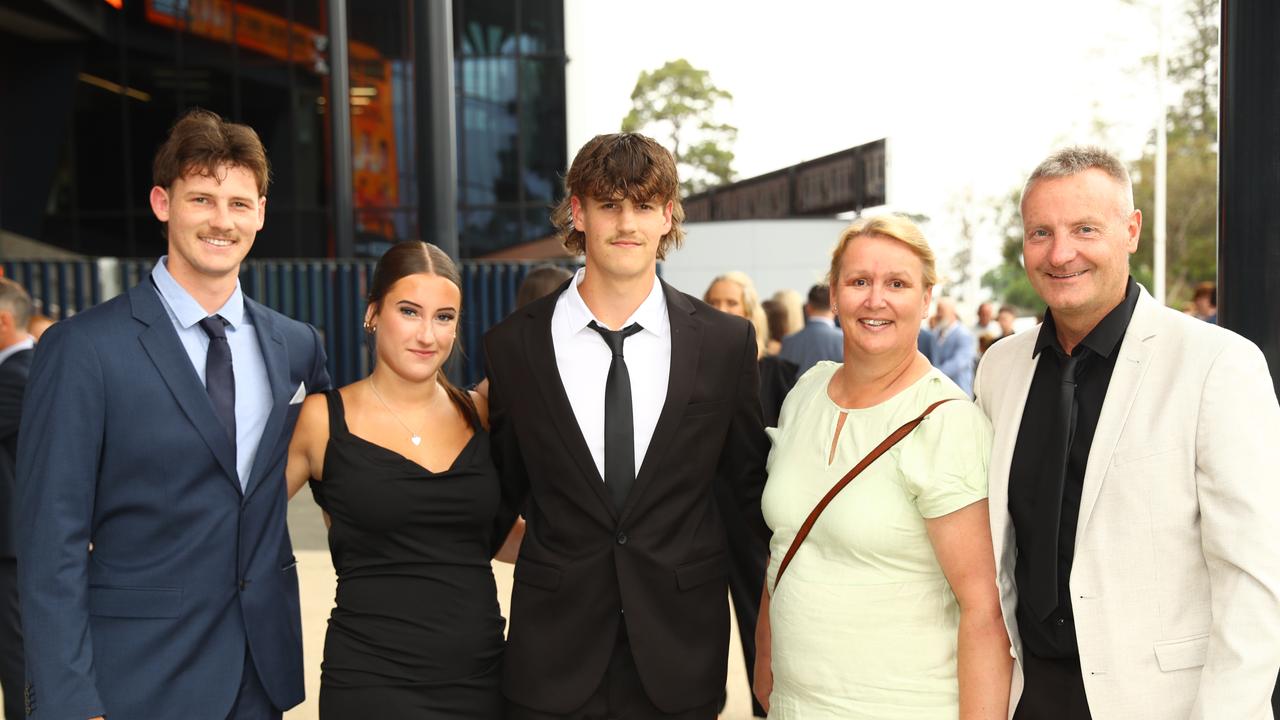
{"x": 419, "y": 307}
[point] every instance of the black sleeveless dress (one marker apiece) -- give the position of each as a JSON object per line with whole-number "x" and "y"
{"x": 416, "y": 631}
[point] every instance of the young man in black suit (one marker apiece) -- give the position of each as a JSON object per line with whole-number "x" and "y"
{"x": 615, "y": 401}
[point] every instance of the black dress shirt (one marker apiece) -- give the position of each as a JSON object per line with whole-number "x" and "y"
{"x": 1029, "y": 478}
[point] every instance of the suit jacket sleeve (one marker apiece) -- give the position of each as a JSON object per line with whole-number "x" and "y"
{"x": 505, "y": 447}
{"x": 320, "y": 368}
{"x": 59, "y": 445}
{"x": 1237, "y": 453}
{"x": 746, "y": 446}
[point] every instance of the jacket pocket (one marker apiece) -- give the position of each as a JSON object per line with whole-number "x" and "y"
{"x": 1182, "y": 654}
{"x": 537, "y": 575}
{"x": 131, "y": 602}
{"x": 699, "y": 572}
{"x": 705, "y": 408}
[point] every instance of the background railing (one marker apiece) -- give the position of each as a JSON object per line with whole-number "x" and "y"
{"x": 329, "y": 294}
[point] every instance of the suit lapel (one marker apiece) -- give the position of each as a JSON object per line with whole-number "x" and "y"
{"x": 275, "y": 354}
{"x": 1126, "y": 381}
{"x": 161, "y": 343}
{"x": 1007, "y": 418}
{"x": 686, "y": 342}
{"x": 542, "y": 363}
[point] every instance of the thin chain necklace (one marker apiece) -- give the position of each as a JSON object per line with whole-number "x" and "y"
{"x": 414, "y": 438}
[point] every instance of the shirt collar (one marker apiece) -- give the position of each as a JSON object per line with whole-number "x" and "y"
{"x": 1105, "y": 337}
{"x": 186, "y": 309}
{"x": 16, "y": 348}
{"x": 652, "y": 313}
{"x": 824, "y": 320}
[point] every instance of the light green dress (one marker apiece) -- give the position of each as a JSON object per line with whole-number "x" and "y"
{"x": 864, "y": 623}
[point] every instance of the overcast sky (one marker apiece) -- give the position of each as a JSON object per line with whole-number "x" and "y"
{"x": 970, "y": 94}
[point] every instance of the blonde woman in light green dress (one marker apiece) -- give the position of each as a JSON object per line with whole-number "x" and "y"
{"x": 889, "y": 610}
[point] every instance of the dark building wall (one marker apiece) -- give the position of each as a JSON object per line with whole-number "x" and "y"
{"x": 75, "y": 165}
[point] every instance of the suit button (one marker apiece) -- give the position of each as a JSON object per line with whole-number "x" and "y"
{"x": 243, "y": 584}
{"x": 622, "y": 538}
{"x": 1060, "y": 622}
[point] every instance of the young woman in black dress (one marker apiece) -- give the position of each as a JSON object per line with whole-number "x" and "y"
{"x": 399, "y": 462}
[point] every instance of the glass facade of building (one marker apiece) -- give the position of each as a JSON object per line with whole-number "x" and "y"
{"x": 90, "y": 91}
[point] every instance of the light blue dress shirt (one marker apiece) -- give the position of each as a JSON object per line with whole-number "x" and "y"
{"x": 253, "y": 389}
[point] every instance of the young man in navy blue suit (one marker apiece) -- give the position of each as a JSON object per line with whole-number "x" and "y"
{"x": 155, "y": 570}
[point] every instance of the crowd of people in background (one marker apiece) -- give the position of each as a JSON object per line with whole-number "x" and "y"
{"x": 931, "y": 490}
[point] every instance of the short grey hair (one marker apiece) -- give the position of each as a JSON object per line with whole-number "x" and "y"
{"x": 1076, "y": 159}
{"x": 16, "y": 300}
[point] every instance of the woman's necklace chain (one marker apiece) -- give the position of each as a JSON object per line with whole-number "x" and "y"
{"x": 415, "y": 438}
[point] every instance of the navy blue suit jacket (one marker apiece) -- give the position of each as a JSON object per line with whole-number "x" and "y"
{"x": 119, "y": 447}
{"x": 956, "y": 356}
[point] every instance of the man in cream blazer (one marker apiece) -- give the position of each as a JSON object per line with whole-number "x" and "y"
{"x": 1135, "y": 480}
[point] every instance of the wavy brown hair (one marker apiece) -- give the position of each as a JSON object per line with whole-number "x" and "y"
{"x": 620, "y": 166}
{"x": 201, "y": 142}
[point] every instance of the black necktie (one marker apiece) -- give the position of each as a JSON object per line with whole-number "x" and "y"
{"x": 619, "y": 425}
{"x": 1044, "y": 569}
{"x": 219, "y": 379}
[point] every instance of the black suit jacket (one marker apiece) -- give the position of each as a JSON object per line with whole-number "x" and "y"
{"x": 661, "y": 561}
{"x": 13, "y": 381}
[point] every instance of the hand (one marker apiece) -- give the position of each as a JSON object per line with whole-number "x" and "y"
{"x": 763, "y": 685}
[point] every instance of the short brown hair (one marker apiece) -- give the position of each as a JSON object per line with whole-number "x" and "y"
{"x": 620, "y": 166}
{"x": 200, "y": 142}
{"x": 893, "y": 227}
{"x": 14, "y": 298}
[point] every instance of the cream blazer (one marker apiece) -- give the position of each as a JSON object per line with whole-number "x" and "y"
{"x": 1176, "y": 580}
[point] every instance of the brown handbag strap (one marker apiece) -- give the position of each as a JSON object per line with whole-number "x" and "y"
{"x": 871, "y": 457}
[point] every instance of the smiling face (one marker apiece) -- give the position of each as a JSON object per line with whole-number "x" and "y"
{"x": 727, "y": 297}
{"x": 881, "y": 295}
{"x": 622, "y": 235}
{"x": 212, "y": 220}
{"x": 416, "y": 325}
{"x": 1078, "y": 234}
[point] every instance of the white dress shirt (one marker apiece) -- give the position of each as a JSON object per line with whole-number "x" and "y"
{"x": 583, "y": 359}
{"x": 253, "y": 389}
{"x": 14, "y": 349}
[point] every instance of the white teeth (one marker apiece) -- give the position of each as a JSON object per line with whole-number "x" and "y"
{"x": 1064, "y": 277}
{"x": 217, "y": 242}
{"x": 876, "y": 323}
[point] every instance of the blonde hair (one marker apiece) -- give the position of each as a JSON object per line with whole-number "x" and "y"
{"x": 893, "y": 227}
{"x": 793, "y": 302}
{"x": 750, "y": 305}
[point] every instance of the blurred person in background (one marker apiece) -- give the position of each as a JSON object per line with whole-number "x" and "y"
{"x": 1205, "y": 300}
{"x": 39, "y": 323}
{"x": 400, "y": 464}
{"x": 986, "y": 324}
{"x": 890, "y": 609}
{"x": 775, "y": 315}
{"x": 734, "y": 293}
{"x": 793, "y": 303}
{"x": 955, "y": 350}
{"x": 541, "y": 281}
{"x": 1005, "y": 319}
{"x": 15, "y": 363}
{"x": 820, "y": 339}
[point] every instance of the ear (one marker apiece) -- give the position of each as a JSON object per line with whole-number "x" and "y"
{"x": 262, "y": 211}
{"x": 575, "y": 210}
{"x": 928, "y": 300}
{"x": 369, "y": 313}
{"x": 667, "y": 211}
{"x": 160, "y": 203}
{"x": 1134, "y": 228}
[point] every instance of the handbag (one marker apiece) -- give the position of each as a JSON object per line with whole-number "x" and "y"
{"x": 871, "y": 457}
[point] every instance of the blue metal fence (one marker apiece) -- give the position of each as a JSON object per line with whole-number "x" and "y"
{"x": 329, "y": 294}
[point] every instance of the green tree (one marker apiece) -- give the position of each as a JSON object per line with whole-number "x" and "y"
{"x": 1192, "y": 163}
{"x": 1191, "y": 176}
{"x": 678, "y": 102}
